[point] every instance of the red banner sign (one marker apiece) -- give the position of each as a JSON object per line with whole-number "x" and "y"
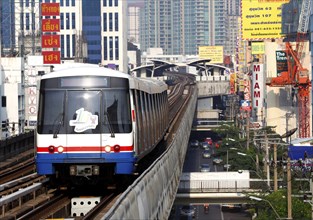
{"x": 50, "y": 9}
{"x": 50, "y": 25}
{"x": 50, "y": 41}
{"x": 51, "y": 57}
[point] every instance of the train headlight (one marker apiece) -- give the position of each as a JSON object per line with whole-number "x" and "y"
{"x": 60, "y": 149}
{"x": 73, "y": 170}
{"x": 117, "y": 148}
{"x": 107, "y": 149}
{"x": 51, "y": 149}
{"x": 95, "y": 170}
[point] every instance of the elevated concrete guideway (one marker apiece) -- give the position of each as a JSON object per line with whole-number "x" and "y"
{"x": 161, "y": 181}
{"x": 212, "y": 79}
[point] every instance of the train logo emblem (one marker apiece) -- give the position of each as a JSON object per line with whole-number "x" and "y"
{"x": 84, "y": 120}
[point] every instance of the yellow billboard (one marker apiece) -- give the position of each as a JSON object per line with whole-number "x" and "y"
{"x": 261, "y": 19}
{"x": 215, "y": 53}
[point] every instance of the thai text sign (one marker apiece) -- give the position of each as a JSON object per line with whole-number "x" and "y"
{"x": 281, "y": 62}
{"x": 215, "y": 53}
{"x": 50, "y": 9}
{"x": 51, "y": 57}
{"x": 261, "y": 19}
{"x": 50, "y": 25}
{"x": 50, "y": 41}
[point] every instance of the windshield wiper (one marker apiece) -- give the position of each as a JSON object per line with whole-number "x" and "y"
{"x": 110, "y": 124}
{"x": 59, "y": 121}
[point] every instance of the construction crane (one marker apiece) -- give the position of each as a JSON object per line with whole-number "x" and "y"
{"x": 298, "y": 76}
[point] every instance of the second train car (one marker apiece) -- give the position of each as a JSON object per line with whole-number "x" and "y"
{"x": 95, "y": 124}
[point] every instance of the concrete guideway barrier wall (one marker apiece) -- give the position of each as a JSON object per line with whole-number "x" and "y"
{"x": 152, "y": 195}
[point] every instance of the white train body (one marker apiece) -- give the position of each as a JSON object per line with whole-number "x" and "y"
{"x": 95, "y": 123}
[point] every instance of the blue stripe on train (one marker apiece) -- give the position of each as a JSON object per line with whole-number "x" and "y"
{"x": 124, "y": 166}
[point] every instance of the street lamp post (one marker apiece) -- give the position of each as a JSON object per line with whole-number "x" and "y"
{"x": 232, "y": 148}
{"x": 259, "y": 199}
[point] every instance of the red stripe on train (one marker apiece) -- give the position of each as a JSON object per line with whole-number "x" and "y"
{"x": 82, "y": 149}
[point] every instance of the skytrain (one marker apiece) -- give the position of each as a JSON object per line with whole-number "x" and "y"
{"x": 95, "y": 124}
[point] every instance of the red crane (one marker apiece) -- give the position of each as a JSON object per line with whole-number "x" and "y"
{"x": 298, "y": 76}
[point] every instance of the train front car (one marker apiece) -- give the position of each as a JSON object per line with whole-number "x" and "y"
{"x": 85, "y": 127}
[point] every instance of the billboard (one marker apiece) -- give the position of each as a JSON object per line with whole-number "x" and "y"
{"x": 300, "y": 152}
{"x": 257, "y": 47}
{"x": 215, "y": 53}
{"x": 281, "y": 62}
{"x": 261, "y": 19}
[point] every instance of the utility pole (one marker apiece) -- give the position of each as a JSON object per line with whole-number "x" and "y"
{"x": 267, "y": 160}
{"x": 248, "y": 129}
{"x": 311, "y": 189}
{"x": 275, "y": 168}
{"x": 289, "y": 205}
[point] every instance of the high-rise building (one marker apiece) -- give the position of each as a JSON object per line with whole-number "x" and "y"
{"x": 181, "y": 26}
{"x": 91, "y": 31}
{"x": 233, "y": 26}
{"x": 134, "y": 21}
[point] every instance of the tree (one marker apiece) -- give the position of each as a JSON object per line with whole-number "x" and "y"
{"x": 300, "y": 209}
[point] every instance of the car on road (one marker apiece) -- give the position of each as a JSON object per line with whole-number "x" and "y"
{"x": 208, "y": 140}
{"x": 206, "y": 154}
{"x": 231, "y": 207}
{"x": 205, "y": 167}
{"x": 205, "y": 145}
{"x": 227, "y": 166}
{"x": 188, "y": 210}
{"x": 217, "y": 161}
{"x": 194, "y": 143}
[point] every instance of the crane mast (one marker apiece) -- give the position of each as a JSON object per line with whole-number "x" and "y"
{"x": 297, "y": 76}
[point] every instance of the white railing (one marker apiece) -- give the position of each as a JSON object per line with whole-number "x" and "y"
{"x": 203, "y": 186}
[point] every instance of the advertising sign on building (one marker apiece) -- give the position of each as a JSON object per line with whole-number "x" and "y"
{"x": 245, "y": 105}
{"x": 247, "y": 89}
{"x": 257, "y": 47}
{"x": 50, "y": 41}
{"x": 51, "y": 57}
{"x": 300, "y": 152}
{"x": 50, "y": 9}
{"x": 261, "y": 19}
{"x": 50, "y": 25}
{"x": 215, "y": 53}
{"x": 257, "y": 86}
{"x": 232, "y": 83}
{"x": 281, "y": 62}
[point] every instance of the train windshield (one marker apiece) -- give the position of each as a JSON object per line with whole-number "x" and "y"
{"x": 80, "y": 111}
